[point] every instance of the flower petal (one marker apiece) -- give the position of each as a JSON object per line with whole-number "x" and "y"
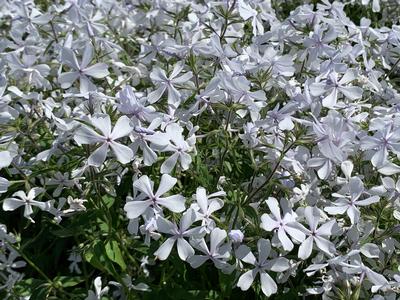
{"x": 268, "y": 285}
{"x": 103, "y": 123}
{"x": 99, "y": 70}
{"x": 85, "y": 135}
{"x": 184, "y": 249}
{"x": 98, "y": 157}
{"x": 175, "y": 203}
{"x": 167, "y": 183}
{"x": 123, "y": 153}
{"x": 197, "y": 260}
{"x": 164, "y": 251}
{"x": 144, "y": 185}
{"x": 12, "y": 204}
{"x": 169, "y": 163}
{"x": 216, "y": 239}
{"x": 244, "y": 253}
{"x": 122, "y": 128}
{"x": 246, "y": 280}
{"x": 135, "y": 209}
{"x": 285, "y": 241}
{"x": 305, "y": 248}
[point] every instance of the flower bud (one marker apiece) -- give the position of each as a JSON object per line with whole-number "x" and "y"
{"x": 236, "y": 235}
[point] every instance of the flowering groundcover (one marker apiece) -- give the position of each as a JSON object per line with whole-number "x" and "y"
{"x": 184, "y": 149}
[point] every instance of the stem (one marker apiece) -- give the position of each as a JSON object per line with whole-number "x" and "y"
{"x": 226, "y": 140}
{"x": 393, "y": 67}
{"x": 31, "y": 263}
{"x": 251, "y": 196}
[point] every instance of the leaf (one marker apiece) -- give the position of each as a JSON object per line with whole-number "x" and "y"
{"x": 65, "y": 232}
{"x": 66, "y": 281}
{"x": 108, "y": 200}
{"x": 94, "y": 255}
{"x": 25, "y": 287}
{"x": 41, "y": 292}
{"x": 114, "y": 253}
{"x": 228, "y": 165}
{"x": 250, "y": 212}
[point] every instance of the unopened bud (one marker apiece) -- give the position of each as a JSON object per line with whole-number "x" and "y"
{"x": 236, "y": 235}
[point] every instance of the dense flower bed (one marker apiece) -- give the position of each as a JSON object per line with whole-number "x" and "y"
{"x": 199, "y": 149}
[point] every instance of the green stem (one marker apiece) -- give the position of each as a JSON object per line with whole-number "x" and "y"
{"x": 251, "y": 196}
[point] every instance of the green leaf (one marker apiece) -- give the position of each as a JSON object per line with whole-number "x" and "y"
{"x": 25, "y": 287}
{"x": 41, "y": 292}
{"x": 114, "y": 253}
{"x": 66, "y": 281}
{"x": 94, "y": 255}
{"x": 228, "y": 165}
{"x": 65, "y": 232}
{"x": 108, "y": 200}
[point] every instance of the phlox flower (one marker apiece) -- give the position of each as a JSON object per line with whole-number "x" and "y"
{"x": 175, "y": 203}
{"x": 283, "y": 225}
{"x": 261, "y": 266}
{"x": 21, "y": 199}
{"x": 107, "y": 138}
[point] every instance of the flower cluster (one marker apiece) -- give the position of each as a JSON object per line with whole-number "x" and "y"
{"x": 215, "y": 135}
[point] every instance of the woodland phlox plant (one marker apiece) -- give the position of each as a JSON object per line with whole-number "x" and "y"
{"x": 235, "y": 149}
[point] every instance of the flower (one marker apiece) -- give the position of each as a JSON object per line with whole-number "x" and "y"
{"x": 86, "y": 135}
{"x": 206, "y": 205}
{"x": 384, "y": 140}
{"x": 166, "y": 83}
{"x": 236, "y": 236}
{"x": 61, "y": 181}
{"x": 178, "y": 234}
{"x": 172, "y": 141}
{"x": 333, "y": 86}
{"x": 268, "y": 285}
{"x": 317, "y": 235}
{"x": 75, "y": 205}
{"x": 135, "y": 108}
{"x": 217, "y": 252}
{"x": 81, "y": 70}
{"x": 98, "y": 290}
{"x": 175, "y": 203}
{"x": 283, "y": 226}
{"x": 349, "y": 202}
{"x": 21, "y": 199}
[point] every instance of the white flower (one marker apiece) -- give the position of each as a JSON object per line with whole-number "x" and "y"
{"x": 356, "y": 266}
{"x": 61, "y": 180}
{"x": 217, "y": 252}
{"x": 86, "y": 135}
{"x": 383, "y": 141}
{"x": 283, "y": 226}
{"x": 319, "y": 236}
{"x": 206, "y": 205}
{"x": 236, "y": 236}
{"x": 75, "y": 205}
{"x": 99, "y": 291}
{"x": 178, "y": 235}
{"x": 135, "y": 108}
{"x": 349, "y": 202}
{"x": 175, "y": 203}
{"x": 168, "y": 83}
{"x": 75, "y": 258}
{"x": 27, "y": 201}
{"x": 268, "y": 285}
{"x": 81, "y": 70}
{"x": 172, "y": 141}
{"x": 334, "y": 86}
